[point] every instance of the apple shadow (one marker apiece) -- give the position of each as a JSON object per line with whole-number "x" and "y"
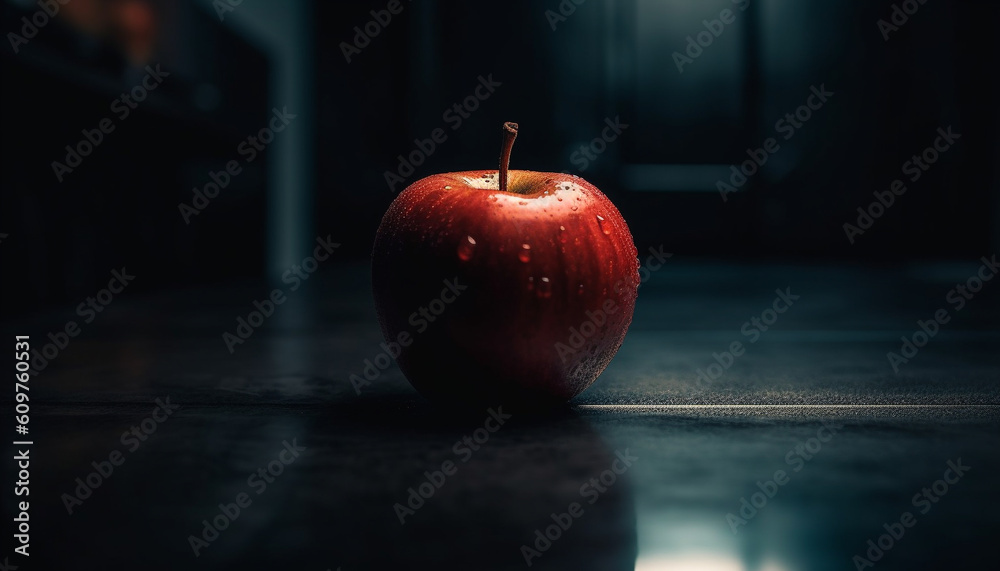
{"x": 418, "y": 483}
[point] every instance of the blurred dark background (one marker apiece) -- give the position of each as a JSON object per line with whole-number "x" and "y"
{"x": 564, "y": 70}
{"x": 364, "y": 81}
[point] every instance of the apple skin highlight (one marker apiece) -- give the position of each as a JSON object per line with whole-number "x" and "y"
{"x": 545, "y": 264}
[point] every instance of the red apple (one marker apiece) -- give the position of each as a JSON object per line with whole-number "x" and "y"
{"x": 549, "y": 272}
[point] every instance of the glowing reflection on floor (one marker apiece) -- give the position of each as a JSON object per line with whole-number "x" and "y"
{"x": 697, "y": 562}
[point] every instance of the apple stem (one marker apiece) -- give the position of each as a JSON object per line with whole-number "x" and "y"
{"x": 509, "y": 134}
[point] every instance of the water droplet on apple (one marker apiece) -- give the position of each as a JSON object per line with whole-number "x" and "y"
{"x": 447, "y": 187}
{"x": 531, "y": 283}
{"x": 525, "y": 254}
{"x": 559, "y": 198}
{"x": 466, "y": 248}
{"x": 573, "y": 208}
{"x": 602, "y": 225}
{"x": 579, "y": 289}
{"x": 545, "y": 288}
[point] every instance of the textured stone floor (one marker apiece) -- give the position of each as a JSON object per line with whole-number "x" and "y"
{"x": 692, "y": 451}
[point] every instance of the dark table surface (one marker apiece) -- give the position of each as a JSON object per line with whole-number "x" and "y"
{"x": 694, "y": 451}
